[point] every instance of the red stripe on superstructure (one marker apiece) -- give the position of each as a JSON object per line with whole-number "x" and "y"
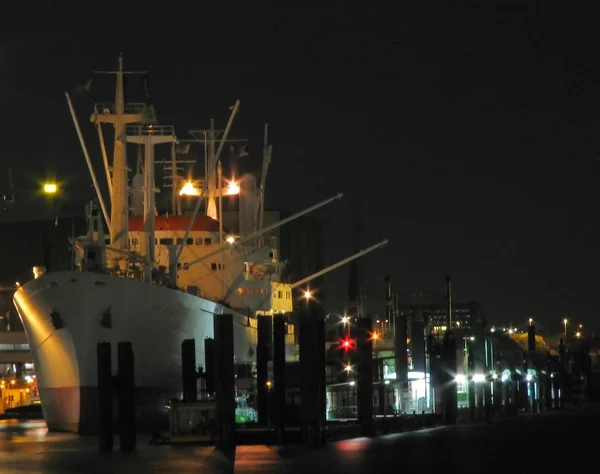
{"x": 176, "y": 223}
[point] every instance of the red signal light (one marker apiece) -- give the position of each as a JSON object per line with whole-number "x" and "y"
{"x": 346, "y": 344}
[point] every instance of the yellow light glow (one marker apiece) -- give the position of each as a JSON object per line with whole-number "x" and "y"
{"x": 269, "y": 384}
{"x": 307, "y": 294}
{"x": 189, "y": 189}
{"x": 230, "y": 239}
{"x": 348, "y": 368}
{"x": 232, "y": 188}
{"x": 50, "y": 188}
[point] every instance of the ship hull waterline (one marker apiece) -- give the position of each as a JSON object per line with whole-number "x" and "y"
{"x": 154, "y": 319}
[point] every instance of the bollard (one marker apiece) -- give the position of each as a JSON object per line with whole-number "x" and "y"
{"x": 310, "y": 380}
{"x": 279, "y": 332}
{"x": 449, "y": 367}
{"x": 487, "y": 402}
{"x": 400, "y": 352}
{"x": 224, "y": 381}
{"x": 548, "y": 390}
{"x": 125, "y": 376}
{"x": 188, "y": 370}
{"x": 210, "y": 364}
{"x": 321, "y": 362}
{"x": 364, "y": 347}
{"x": 105, "y": 397}
{"x": 265, "y": 330}
{"x": 471, "y": 388}
{"x": 497, "y": 397}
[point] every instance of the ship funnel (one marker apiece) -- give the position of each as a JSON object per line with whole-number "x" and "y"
{"x": 148, "y": 115}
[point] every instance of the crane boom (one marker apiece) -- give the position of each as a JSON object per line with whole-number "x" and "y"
{"x": 339, "y": 264}
{"x": 264, "y": 231}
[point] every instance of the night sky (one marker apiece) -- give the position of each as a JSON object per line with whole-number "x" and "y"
{"x": 470, "y": 131}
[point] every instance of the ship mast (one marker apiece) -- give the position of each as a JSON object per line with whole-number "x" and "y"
{"x": 119, "y": 212}
{"x": 149, "y": 136}
{"x": 119, "y": 115}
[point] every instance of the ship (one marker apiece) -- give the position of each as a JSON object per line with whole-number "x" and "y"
{"x": 154, "y": 280}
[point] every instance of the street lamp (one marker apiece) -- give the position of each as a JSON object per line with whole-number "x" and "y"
{"x": 565, "y": 323}
{"x": 50, "y": 188}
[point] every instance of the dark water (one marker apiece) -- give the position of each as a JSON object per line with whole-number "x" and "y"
{"x": 532, "y": 444}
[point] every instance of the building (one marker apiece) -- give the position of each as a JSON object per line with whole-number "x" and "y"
{"x": 431, "y": 309}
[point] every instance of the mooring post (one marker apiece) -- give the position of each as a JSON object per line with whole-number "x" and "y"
{"x": 126, "y": 388}
{"x": 364, "y": 346}
{"x": 188, "y": 371}
{"x": 279, "y": 331}
{"x": 310, "y": 379}
{"x": 225, "y": 381}
{"x": 263, "y": 349}
{"x": 449, "y": 365}
{"x": 321, "y": 363}
{"x": 210, "y": 363}
{"x": 105, "y": 397}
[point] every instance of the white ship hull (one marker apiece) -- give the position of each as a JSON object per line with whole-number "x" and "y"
{"x": 154, "y": 319}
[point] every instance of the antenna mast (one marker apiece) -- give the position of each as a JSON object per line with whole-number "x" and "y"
{"x": 173, "y": 178}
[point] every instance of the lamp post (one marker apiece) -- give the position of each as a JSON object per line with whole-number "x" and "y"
{"x": 565, "y": 323}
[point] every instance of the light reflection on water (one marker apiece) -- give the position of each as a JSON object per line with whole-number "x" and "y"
{"x": 23, "y": 431}
{"x": 352, "y": 451}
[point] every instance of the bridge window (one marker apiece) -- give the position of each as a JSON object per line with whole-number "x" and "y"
{"x": 166, "y": 241}
{"x": 207, "y": 241}
{"x": 189, "y": 241}
{"x": 253, "y": 291}
{"x": 198, "y": 241}
{"x": 14, "y": 347}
